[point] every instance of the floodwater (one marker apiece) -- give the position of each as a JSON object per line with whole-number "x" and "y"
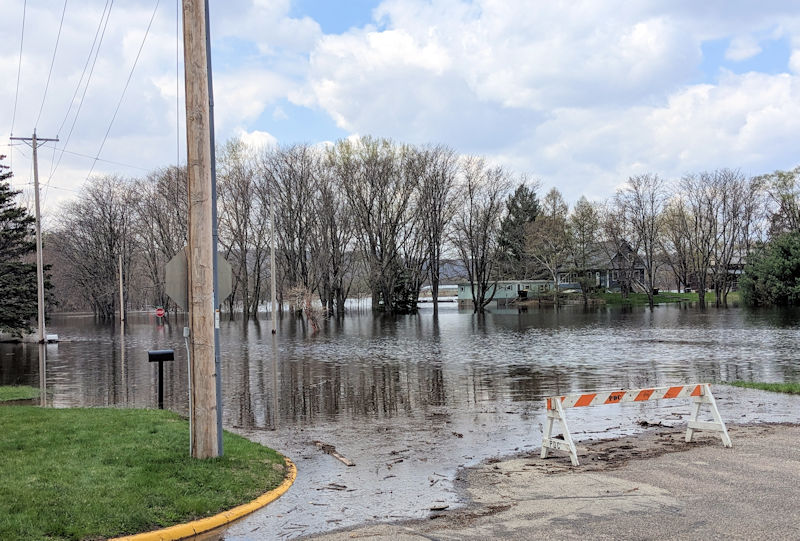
{"x": 410, "y": 400}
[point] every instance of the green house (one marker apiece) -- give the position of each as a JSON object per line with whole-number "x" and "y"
{"x": 506, "y": 292}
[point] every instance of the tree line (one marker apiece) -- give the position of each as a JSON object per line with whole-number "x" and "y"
{"x": 369, "y": 217}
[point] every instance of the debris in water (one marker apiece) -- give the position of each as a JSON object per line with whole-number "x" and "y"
{"x": 331, "y": 450}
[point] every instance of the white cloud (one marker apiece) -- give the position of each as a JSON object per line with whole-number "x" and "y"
{"x": 256, "y": 138}
{"x": 581, "y": 94}
{"x": 577, "y": 92}
{"x": 742, "y": 48}
{"x": 794, "y": 62}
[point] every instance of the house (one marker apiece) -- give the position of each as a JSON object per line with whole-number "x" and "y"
{"x": 612, "y": 266}
{"x": 506, "y": 291}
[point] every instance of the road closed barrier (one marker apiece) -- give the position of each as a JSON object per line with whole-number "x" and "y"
{"x": 698, "y": 393}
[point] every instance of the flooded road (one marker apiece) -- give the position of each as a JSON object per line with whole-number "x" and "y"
{"x": 412, "y": 399}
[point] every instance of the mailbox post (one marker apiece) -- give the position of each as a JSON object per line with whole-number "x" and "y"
{"x": 160, "y": 356}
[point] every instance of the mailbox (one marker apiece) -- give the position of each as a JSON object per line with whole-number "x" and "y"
{"x": 160, "y": 356}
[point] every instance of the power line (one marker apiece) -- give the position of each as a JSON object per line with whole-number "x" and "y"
{"x": 19, "y": 72}
{"x": 107, "y": 16}
{"x": 85, "y": 66}
{"x": 100, "y": 159}
{"x": 53, "y": 61}
{"x": 177, "y": 87}
{"x": 130, "y": 76}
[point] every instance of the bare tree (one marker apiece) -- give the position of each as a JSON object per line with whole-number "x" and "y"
{"x": 291, "y": 174}
{"x": 236, "y": 195}
{"x": 161, "y": 222}
{"x": 477, "y": 227}
{"x": 370, "y": 172}
{"x": 96, "y": 230}
{"x": 437, "y": 206}
{"x": 583, "y": 227}
{"x": 642, "y": 202}
{"x": 675, "y": 245}
{"x": 699, "y": 212}
{"x": 783, "y": 189}
{"x": 332, "y": 243}
{"x": 547, "y": 241}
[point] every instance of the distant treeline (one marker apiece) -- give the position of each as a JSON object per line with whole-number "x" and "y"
{"x": 370, "y": 217}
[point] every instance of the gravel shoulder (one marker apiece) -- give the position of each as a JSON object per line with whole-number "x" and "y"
{"x": 649, "y": 486}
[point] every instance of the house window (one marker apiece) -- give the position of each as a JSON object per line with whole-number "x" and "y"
{"x": 597, "y": 278}
{"x": 615, "y": 275}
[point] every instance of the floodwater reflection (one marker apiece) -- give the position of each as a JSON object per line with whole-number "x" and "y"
{"x": 365, "y": 366}
{"x": 411, "y": 399}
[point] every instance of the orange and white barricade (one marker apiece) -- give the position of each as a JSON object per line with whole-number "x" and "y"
{"x": 699, "y": 393}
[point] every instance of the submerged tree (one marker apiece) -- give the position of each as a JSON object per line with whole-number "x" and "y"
{"x": 94, "y": 231}
{"x": 477, "y": 227}
{"x": 17, "y": 278}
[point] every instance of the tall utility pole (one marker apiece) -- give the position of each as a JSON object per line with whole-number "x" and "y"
{"x": 272, "y": 262}
{"x": 206, "y": 433}
{"x": 34, "y": 142}
{"x": 121, "y": 296}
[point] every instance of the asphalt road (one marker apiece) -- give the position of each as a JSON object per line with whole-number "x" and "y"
{"x": 649, "y": 486}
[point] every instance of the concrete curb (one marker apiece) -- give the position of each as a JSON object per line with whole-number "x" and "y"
{"x": 182, "y": 531}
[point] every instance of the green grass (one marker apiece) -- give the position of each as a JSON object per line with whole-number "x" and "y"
{"x": 94, "y": 473}
{"x": 790, "y": 388}
{"x": 664, "y": 297}
{"x": 18, "y": 392}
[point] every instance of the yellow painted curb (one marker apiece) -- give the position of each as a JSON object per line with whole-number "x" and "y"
{"x": 182, "y": 531}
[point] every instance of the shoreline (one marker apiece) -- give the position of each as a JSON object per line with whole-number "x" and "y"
{"x": 631, "y": 480}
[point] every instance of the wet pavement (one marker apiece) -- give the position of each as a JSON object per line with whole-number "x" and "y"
{"x": 407, "y": 470}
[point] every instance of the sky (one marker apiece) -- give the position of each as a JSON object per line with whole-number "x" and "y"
{"x": 579, "y": 95}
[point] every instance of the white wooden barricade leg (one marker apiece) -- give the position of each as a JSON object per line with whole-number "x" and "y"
{"x": 718, "y": 425}
{"x": 557, "y": 413}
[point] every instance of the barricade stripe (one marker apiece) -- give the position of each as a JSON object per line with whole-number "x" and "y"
{"x": 698, "y": 391}
{"x": 585, "y": 400}
{"x": 644, "y": 394}
{"x": 615, "y": 397}
{"x": 673, "y": 392}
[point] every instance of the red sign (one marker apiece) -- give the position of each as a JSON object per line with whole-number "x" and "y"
{"x": 159, "y": 312}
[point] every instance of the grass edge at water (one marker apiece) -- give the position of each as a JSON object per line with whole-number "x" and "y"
{"x": 18, "y": 392}
{"x": 788, "y": 388}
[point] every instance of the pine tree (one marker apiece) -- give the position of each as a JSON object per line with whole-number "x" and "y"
{"x": 522, "y": 207}
{"x": 17, "y": 278}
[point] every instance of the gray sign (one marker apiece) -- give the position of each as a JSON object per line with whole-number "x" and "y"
{"x": 177, "y": 279}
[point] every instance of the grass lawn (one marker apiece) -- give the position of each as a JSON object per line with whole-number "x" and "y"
{"x": 93, "y": 473}
{"x": 664, "y": 297}
{"x": 18, "y": 392}
{"x": 790, "y": 388}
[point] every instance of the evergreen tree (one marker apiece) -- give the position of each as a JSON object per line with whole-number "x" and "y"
{"x": 522, "y": 208}
{"x": 17, "y": 278}
{"x": 772, "y": 273}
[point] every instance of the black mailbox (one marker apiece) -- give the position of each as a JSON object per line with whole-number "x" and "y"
{"x": 160, "y": 356}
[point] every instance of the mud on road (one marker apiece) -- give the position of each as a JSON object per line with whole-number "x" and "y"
{"x": 650, "y": 486}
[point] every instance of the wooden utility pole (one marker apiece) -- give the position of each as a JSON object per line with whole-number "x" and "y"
{"x": 272, "y": 261}
{"x": 121, "y": 296}
{"x": 206, "y": 433}
{"x": 34, "y": 141}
